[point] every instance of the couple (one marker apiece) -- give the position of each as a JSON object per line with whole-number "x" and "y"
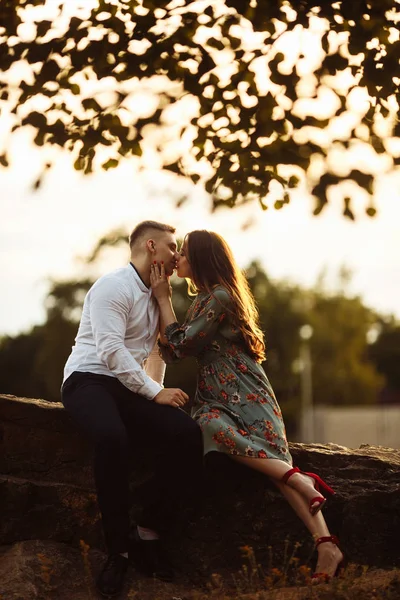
{"x": 113, "y": 389}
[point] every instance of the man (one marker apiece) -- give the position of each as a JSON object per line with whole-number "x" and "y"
{"x": 113, "y": 389}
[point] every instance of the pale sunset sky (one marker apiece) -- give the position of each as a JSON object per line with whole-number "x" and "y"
{"x": 42, "y": 234}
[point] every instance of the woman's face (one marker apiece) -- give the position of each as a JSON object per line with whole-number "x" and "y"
{"x": 183, "y": 267}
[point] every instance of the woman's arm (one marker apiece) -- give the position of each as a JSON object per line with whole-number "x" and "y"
{"x": 167, "y": 316}
{"x": 155, "y": 365}
{"x": 200, "y": 329}
{"x": 162, "y": 291}
{"x": 189, "y": 339}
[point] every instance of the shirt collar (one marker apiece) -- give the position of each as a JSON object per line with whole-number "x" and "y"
{"x": 139, "y": 280}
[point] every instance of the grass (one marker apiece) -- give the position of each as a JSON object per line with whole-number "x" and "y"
{"x": 56, "y": 572}
{"x": 86, "y": 565}
{"x": 290, "y": 580}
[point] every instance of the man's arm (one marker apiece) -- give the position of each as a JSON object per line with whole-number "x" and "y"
{"x": 109, "y": 309}
{"x": 110, "y": 304}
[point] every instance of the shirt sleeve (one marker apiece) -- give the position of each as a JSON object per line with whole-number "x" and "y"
{"x": 196, "y": 333}
{"x": 155, "y": 366}
{"x": 109, "y": 309}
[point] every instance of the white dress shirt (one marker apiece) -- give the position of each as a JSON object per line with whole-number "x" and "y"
{"x": 118, "y": 332}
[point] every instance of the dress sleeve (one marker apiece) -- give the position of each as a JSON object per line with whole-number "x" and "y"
{"x": 198, "y": 331}
{"x": 167, "y": 352}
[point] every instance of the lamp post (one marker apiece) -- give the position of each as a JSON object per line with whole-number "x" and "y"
{"x": 307, "y": 408}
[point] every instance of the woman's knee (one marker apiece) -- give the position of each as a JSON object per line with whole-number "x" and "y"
{"x": 209, "y": 426}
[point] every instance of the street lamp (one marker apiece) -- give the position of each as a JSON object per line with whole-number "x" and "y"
{"x": 373, "y": 333}
{"x": 307, "y": 408}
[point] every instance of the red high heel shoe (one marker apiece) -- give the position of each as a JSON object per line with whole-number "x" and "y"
{"x": 324, "y": 577}
{"x": 319, "y": 483}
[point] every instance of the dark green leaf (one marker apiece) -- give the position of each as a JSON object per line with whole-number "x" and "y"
{"x": 110, "y": 164}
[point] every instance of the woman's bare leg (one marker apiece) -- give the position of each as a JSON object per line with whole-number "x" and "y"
{"x": 329, "y": 555}
{"x": 276, "y": 469}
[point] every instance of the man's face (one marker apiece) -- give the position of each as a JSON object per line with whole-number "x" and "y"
{"x": 166, "y": 250}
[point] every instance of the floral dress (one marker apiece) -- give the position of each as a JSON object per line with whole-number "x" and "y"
{"x": 234, "y": 404}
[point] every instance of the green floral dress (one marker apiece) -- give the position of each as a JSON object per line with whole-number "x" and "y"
{"x": 234, "y": 404}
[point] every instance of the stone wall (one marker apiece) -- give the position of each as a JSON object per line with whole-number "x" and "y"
{"x": 46, "y": 493}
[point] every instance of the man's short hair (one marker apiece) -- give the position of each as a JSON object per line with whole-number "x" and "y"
{"x": 146, "y": 226}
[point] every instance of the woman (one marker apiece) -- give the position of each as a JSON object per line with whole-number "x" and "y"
{"x": 235, "y": 405}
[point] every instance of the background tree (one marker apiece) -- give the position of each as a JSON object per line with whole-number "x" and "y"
{"x": 234, "y": 93}
{"x": 344, "y": 371}
{"x": 385, "y": 354}
{"x": 32, "y": 363}
{"x": 343, "y": 374}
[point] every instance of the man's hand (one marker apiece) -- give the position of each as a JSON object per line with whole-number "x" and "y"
{"x": 172, "y": 396}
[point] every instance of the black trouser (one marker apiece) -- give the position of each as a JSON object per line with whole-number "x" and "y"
{"x": 119, "y": 421}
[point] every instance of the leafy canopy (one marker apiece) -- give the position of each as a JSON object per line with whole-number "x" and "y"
{"x": 247, "y": 96}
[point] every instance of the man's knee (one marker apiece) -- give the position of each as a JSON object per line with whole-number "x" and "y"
{"x": 113, "y": 439}
{"x": 189, "y": 434}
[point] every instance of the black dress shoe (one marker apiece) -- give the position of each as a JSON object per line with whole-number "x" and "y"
{"x": 149, "y": 557}
{"x": 111, "y": 579}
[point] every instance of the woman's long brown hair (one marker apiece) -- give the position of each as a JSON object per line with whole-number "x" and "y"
{"x": 212, "y": 263}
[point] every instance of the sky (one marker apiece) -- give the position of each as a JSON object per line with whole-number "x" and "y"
{"x": 43, "y": 234}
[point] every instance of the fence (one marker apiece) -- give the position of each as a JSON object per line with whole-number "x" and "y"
{"x": 352, "y": 426}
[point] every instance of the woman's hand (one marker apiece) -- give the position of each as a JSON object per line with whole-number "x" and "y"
{"x": 160, "y": 282}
